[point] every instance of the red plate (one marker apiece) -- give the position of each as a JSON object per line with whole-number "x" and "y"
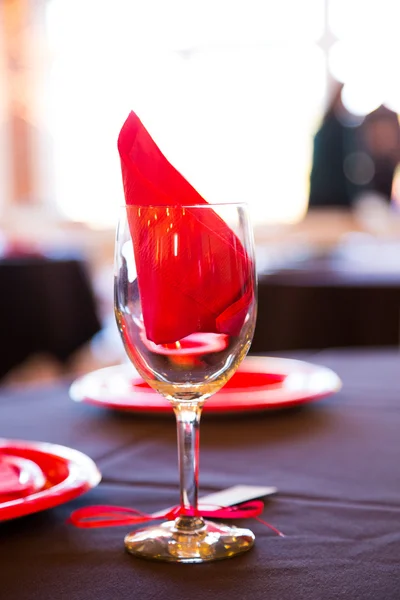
{"x": 67, "y": 474}
{"x": 260, "y": 383}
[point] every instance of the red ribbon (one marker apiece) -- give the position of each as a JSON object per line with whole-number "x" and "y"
{"x": 101, "y": 515}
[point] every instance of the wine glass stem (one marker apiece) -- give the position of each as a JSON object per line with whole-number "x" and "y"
{"x": 188, "y": 429}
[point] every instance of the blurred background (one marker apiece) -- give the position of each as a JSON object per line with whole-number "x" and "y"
{"x": 290, "y": 106}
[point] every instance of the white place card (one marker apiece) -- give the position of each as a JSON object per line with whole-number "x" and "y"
{"x": 231, "y": 496}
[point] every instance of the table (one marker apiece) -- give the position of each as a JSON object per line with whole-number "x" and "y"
{"x": 47, "y": 306}
{"x": 335, "y": 463}
{"x": 328, "y": 302}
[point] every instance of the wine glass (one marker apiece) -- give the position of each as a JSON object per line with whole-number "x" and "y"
{"x": 185, "y": 305}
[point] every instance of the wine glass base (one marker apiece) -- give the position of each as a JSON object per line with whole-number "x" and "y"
{"x": 166, "y": 542}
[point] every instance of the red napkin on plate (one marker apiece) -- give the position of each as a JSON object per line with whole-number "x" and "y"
{"x": 9, "y": 478}
{"x": 19, "y": 477}
{"x": 198, "y": 278}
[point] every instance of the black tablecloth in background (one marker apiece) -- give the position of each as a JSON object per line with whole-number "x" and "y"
{"x": 335, "y": 463}
{"x": 327, "y": 303}
{"x": 46, "y": 306}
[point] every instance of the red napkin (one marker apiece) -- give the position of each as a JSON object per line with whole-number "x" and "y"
{"x": 9, "y": 478}
{"x": 18, "y": 477}
{"x": 198, "y": 278}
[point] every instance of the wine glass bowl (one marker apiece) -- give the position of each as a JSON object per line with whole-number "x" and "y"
{"x": 185, "y": 305}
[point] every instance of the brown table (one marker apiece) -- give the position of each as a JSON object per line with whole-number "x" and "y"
{"x": 325, "y": 303}
{"x": 335, "y": 463}
{"x": 46, "y": 306}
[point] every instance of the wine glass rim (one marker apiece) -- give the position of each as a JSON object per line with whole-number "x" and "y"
{"x": 205, "y": 205}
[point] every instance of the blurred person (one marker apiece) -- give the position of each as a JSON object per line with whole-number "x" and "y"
{"x": 334, "y": 142}
{"x": 380, "y": 136}
{"x": 354, "y": 158}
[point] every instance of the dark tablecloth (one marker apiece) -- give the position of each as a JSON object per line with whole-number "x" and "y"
{"x": 46, "y": 306}
{"x": 335, "y": 463}
{"x": 325, "y": 303}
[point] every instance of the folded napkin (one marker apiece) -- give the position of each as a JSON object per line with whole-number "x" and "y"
{"x": 19, "y": 477}
{"x": 9, "y": 478}
{"x": 193, "y": 273}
